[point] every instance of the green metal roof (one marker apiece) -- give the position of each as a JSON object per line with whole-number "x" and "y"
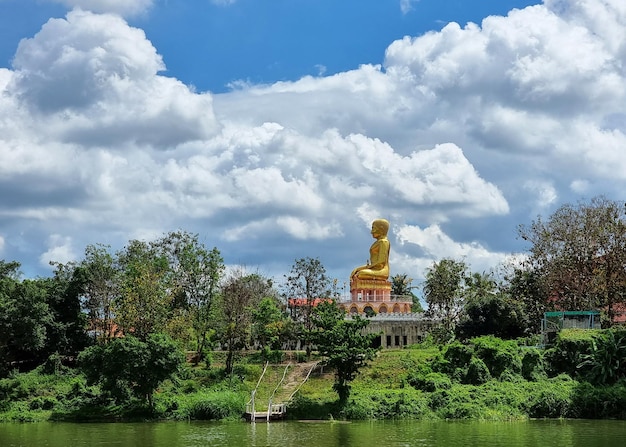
{"x": 571, "y": 313}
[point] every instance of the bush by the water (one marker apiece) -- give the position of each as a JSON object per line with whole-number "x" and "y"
{"x": 581, "y": 376}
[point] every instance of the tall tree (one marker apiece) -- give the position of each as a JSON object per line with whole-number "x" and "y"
{"x": 24, "y": 316}
{"x": 240, "y": 293}
{"x": 342, "y": 344}
{"x": 101, "y": 277}
{"x": 580, "y": 253}
{"x": 196, "y": 273}
{"x": 307, "y": 280}
{"x": 67, "y": 332}
{"x": 444, "y": 291}
{"x": 144, "y": 304}
{"x": 526, "y": 286}
{"x": 270, "y": 324}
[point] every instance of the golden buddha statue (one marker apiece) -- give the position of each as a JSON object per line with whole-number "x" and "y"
{"x": 378, "y": 266}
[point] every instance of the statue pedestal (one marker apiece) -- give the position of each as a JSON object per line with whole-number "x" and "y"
{"x": 373, "y": 296}
{"x": 370, "y": 290}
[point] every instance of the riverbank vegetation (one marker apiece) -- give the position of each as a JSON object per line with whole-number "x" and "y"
{"x": 163, "y": 330}
{"x": 582, "y": 376}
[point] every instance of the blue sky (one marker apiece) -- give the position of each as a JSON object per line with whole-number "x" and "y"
{"x": 279, "y": 129}
{"x": 211, "y": 44}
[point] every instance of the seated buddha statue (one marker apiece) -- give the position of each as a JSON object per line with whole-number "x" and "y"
{"x": 378, "y": 265}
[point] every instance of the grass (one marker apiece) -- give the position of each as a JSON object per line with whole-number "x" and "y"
{"x": 386, "y": 389}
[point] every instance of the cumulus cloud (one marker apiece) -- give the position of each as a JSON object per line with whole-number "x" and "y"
{"x": 434, "y": 245}
{"x": 59, "y": 250}
{"x": 455, "y": 135}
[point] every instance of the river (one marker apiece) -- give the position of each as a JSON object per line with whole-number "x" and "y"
{"x": 566, "y": 433}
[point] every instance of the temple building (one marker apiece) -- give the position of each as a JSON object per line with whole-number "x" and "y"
{"x": 373, "y": 296}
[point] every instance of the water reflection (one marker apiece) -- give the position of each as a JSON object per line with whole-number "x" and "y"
{"x": 319, "y": 434}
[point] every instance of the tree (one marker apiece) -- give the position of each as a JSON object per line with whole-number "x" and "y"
{"x": 129, "y": 366}
{"x": 145, "y": 300}
{"x": 24, "y": 316}
{"x": 494, "y": 314}
{"x": 196, "y": 273}
{"x": 307, "y": 279}
{"x": 66, "y": 333}
{"x": 580, "y": 252}
{"x": 343, "y": 345}
{"x": 401, "y": 287}
{"x": 269, "y": 323}
{"x": 444, "y": 291}
{"x": 100, "y": 275}
{"x": 488, "y": 310}
{"x": 525, "y": 286}
{"x": 240, "y": 293}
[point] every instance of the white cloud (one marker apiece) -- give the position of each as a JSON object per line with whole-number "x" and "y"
{"x": 458, "y": 134}
{"x": 407, "y": 5}
{"x": 93, "y": 80}
{"x": 580, "y": 186}
{"x": 544, "y": 192}
{"x": 435, "y": 245}
{"x": 59, "y": 250}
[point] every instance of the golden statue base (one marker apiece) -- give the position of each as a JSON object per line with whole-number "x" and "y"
{"x": 373, "y": 296}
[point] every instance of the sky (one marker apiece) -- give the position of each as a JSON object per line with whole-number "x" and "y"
{"x": 279, "y": 129}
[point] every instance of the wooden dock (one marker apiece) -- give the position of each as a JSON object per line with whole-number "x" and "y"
{"x": 277, "y": 413}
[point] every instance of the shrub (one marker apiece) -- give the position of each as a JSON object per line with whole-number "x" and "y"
{"x": 386, "y": 404}
{"x": 477, "y": 372}
{"x": 430, "y": 381}
{"x": 211, "y": 406}
{"x": 129, "y": 366}
{"x": 570, "y": 350}
{"x": 499, "y": 355}
{"x": 532, "y": 364}
{"x": 458, "y": 355}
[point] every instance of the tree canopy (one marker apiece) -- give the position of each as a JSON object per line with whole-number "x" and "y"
{"x": 343, "y": 345}
{"x": 579, "y": 253}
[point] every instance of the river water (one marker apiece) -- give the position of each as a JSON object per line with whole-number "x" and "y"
{"x": 318, "y": 434}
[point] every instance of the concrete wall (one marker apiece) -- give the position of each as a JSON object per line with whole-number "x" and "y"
{"x": 399, "y": 330}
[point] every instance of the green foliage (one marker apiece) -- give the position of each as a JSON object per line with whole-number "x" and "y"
{"x": 386, "y": 404}
{"x": 401, "y": 287}
{"x": 129, "y": 366}
{"x": 144, "y": 302}
{"x": 552, "y": 401}
{"x": 492, "y": 314}
{"x": 477, "y": 372}
{"x": 343, "y": 345}
{"x": 498, "y": 355}
{"x": 572, "y": 348}
{"x": 532, "y": 364}
{"x": 270, "y": 324}
{"x": 443, "y": 291}
{"x": 24, "y": 317}
{"x": 241, "y": 293}
{"x": 429, "y": 381}
{"x": 579, "y": 254}
{"x": 208, "y": 405}
{"x": 606, "y": 361}
{"x": 195, "y": 273}
{"x": 307, "y": 279}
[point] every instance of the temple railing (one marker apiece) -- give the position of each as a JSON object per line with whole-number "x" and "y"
{"x": 375, "y": 298}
